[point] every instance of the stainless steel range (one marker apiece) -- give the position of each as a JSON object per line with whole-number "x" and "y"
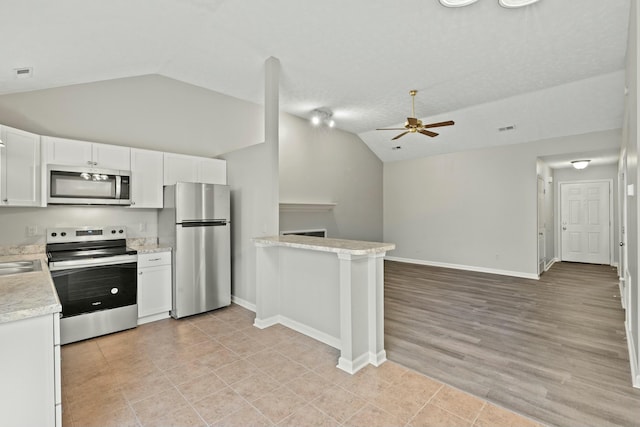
{"x": 95, "y": 275}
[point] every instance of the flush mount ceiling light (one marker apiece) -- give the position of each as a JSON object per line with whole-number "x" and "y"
{"x": 322, "y": 116}
{"x": 457, "y": 3}
{"x": 580, "y": 164}
{"x": 510, "y": 4}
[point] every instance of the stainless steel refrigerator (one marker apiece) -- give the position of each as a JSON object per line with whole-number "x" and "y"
{"x": 195, "y": 222}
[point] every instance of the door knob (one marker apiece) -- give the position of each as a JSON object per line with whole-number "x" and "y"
{"x": 621, "y": 243}
{"x": 564, "y": 228}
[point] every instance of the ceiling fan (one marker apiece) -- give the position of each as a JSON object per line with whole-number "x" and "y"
{"x": 413, "y": 125}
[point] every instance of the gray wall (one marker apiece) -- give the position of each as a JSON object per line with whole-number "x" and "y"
{"x": 546, "y": 173}
{"x": 251, "y": 214}
{"x": 14, "y": 221}
{"x": 152, "y": 112}
{"x": 630, "y": 143}
{"x": 603, "y": 172}
{"x": 474, "y": 209}
{"x": 323, "y": 165}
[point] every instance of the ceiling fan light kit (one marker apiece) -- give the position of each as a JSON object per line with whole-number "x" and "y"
{"x": 414, "y": 125}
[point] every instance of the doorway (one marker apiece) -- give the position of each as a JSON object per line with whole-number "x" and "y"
{"x": 585, "y": 221}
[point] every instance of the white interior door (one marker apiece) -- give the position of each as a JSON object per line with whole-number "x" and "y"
{"x": 585, "y": 226}
{"x": 542, "y": 258}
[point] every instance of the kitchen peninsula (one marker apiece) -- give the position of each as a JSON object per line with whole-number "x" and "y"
{"x": 329, "y": 289}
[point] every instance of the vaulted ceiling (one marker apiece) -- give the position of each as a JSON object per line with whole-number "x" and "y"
{"x": 550, "y": 69}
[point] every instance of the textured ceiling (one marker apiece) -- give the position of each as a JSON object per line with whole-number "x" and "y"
{"x": 358, "y": 58}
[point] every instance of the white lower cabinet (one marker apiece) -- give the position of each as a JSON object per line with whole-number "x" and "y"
{"x": 154, "y": 286}
{"x": 30, "y": 392}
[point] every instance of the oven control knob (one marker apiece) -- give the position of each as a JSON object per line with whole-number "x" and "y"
{"x": 54, "y": 234}
{"x": 120, "y": 231}
{"x": 114, "y": 291}
{"x": 113, "y": 231}
{"x": 63, "y": 234}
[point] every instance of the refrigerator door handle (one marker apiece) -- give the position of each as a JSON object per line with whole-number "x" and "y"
{"x": 205, "y": 223}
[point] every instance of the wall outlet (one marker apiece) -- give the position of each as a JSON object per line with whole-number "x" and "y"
{"x": 32, "y": 230}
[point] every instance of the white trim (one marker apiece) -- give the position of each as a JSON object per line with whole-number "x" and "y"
{"x": 550, "y": 263}
{"x": 351, "y": 367}
{"x": 633, "y": 358}
{"x": 299, "y": 327}
{"x": 378, "y": 359}
{"x": 465, "y": 267}
{"x": 265, "y": 323}
{"x": 243, "y": 303}
{"x": 153, "y": 318}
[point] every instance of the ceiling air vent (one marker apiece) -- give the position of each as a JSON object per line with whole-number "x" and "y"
{"x": 506, "y": 128}
{"x": 24, "y": 73}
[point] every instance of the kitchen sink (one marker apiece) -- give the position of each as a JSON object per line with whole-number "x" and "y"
{"x": 16, "y": 267}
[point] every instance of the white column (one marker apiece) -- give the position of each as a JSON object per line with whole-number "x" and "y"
{"x": 375, "y": 286}
{"x": 267, "y": 285}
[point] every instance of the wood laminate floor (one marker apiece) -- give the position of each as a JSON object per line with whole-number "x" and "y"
{"x": 552, "y": 349}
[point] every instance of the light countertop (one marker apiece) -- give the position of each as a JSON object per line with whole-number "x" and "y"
{"x": 323, "y": 244}
{"x": 27, "y": 295}
{"x": 150, "y": 249}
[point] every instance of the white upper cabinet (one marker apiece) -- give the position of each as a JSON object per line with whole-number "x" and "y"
{"x": 111, "y": 156}
{"x": 146, "y": 178}
{"x": 19, "y": 168}
{"x": 62, "y": 151}
{"x": 183, "y": 168}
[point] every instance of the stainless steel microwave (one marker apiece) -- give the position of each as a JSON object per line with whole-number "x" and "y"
{"x": 71, "y": 185}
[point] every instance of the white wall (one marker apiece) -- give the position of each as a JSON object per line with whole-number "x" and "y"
{"x": 475, "y": 209}
{"x": 604, "y": 172}
{"x": 151, "y": 111}
{"x": 322, "y": 165}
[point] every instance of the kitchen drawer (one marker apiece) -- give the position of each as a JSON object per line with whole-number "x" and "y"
{"x": 154, "y": 259}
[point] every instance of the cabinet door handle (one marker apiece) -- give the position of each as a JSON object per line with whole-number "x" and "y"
{"x": 155, "y": 259}
{"x": 140, "y": 273}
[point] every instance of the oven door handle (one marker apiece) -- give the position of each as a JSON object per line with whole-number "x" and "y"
{"x": 95, "y": 262}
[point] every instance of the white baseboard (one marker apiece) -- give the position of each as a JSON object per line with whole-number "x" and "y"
{"x": 465, "y": 267}
{"x": 633, "y": 358}
{"x": 550, "y": 263}
{"x": 299, "y": 327}
{"x": 153, "y": 318}
{"x": 311, "y": 332}
{"x": 378, "y": 359}
{"x": 243, "y": 303}
{"x": 354, "y": 366}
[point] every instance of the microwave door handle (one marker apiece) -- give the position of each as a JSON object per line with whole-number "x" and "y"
{"x": 118, "y": 186}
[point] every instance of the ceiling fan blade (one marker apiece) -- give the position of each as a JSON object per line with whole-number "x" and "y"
{"x": 412, "y": 121}
{"x": 402, "y": 134}
{"x": 436, "y": 125}
{"x": 391, "y": 129}
{"x": 428, "y": 133}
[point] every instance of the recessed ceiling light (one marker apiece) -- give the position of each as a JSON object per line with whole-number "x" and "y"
{"x": 516, "y": 3}
{"x": 24, "y": 72}
{"x": 457, "y": 3}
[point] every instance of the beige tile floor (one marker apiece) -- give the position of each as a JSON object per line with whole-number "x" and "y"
{"x": 217, "y": 369}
